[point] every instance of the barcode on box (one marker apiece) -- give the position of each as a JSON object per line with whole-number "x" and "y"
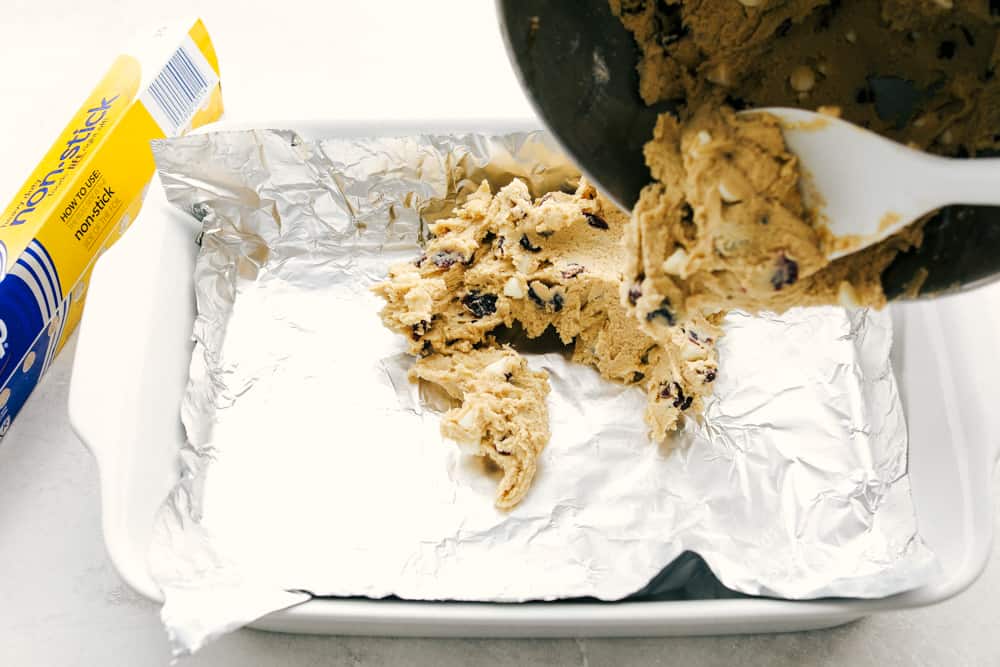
{"x": 180, "y": 88}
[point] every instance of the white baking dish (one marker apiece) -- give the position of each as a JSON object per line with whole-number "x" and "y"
{"x": 131, "y": 366}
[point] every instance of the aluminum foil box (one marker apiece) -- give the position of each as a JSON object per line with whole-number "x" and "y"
{"x": 86, "y": 191}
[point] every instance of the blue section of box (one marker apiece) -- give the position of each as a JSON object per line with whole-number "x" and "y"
{"x": 32, "y": 313}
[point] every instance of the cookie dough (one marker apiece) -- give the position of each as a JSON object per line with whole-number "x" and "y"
{"x": 502, "y": 415}
{"x": 725, "y": 227}
{"x": 920, "y": 71}
{"x": 722, "y": 226}
{"x": 509, "y": 261}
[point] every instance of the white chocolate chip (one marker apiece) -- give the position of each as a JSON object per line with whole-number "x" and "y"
{"x": 704, "y": 137}
{"x": 500, "y": 367}
{"x": 691, "y": 351}
{"x": 468, "y": 446}
{"x": 822, "y": 69}
{"x": 523, "y": 264}
{"x": 727, "y": 195}
{"x": 676, "y": 263}
{"x": 513, "y": 289}
{"x": 851, "y": 36}
{"x": 720, "y": 75}
{"x": 420, "y": 302}
{"x": 802, "y": 78}
{"x": 751, "y": 3}
{"x": 947, "y": 137}
{"x": 846, "y": 295}
{"x": 468, "y": 420}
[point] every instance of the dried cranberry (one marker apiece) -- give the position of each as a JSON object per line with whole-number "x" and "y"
{"x": 663, "y": 312}
{"x": 736, "y": 103}
{"x": 687, "y": 213}
{"x": 420, "y": 328}
{"x": 480, "y": 305}
{"x": 710, "y": 376}
{"x": 675, "y": 391}
{"x": 446, "y": 260}
{"x": 595, "y": 221}
{"x": 634, "y": 292}
{"x": 946, "y": 49}
{"x": 533, "y": 295}
{"x": 556, "y": 303}
{"x": 785, "y": 273}
{"x": 783, "y": 29}
{"x": 572, "y": 271}
{"x": 826, "y": 15}
{"x": 419, "y": 260}
{"x": 669, "y": 23}
{"x": 526, "y": 244}
{"x": 679, "y": 401}
{"x": 638, "y": 377}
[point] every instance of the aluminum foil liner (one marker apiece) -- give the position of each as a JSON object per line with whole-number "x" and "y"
{"x": 313, "y": 467}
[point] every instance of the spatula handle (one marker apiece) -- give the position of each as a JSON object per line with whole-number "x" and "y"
{"x": 974, "y": 181}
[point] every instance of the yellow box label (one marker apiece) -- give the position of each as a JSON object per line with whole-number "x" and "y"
{"x": 85, "y": 192}
{"x": 52, "y": 187}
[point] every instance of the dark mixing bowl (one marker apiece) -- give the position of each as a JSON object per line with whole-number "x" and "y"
{"x": 576, "y": 62}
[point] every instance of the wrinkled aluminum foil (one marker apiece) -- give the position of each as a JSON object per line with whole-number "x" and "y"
{"x": 313, "y": 467}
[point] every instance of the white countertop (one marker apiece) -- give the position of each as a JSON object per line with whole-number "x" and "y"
{"x": 61, "y": 601}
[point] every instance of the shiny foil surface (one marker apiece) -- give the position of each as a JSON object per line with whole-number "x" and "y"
{"x": 313, "y": 467}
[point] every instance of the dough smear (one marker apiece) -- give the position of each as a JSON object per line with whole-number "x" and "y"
{"x": 724, "y": 227}
{"x": 555, "y": 262}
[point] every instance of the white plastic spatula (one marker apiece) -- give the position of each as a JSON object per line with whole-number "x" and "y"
{"x": 864, "y": 187}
